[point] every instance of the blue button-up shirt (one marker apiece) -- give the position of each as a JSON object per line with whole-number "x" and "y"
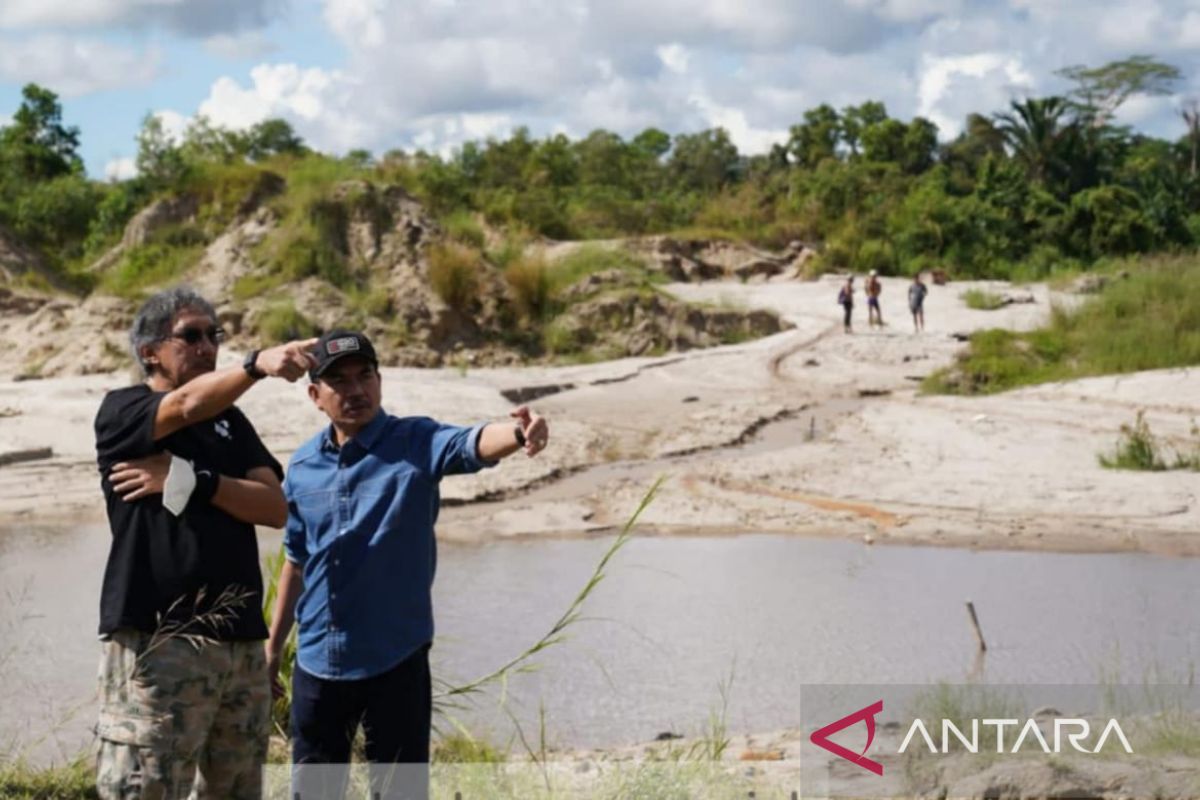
{"x": 360, "y": 524}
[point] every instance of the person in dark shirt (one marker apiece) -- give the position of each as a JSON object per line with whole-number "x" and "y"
{"x": 846, "y": 301}
{"x": 917, "y": 291}
{"x": 184, "y": 689}
{"x": 363, "y": 498}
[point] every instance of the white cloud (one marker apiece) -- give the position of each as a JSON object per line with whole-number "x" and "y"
{"x": 954, "y": 86}
{"x": 674, "y": 57}
{"x": 432, "y": 73}
{"x": 74, "y": 66}
{"x": 174, "y": 124}
{"x": 1189, "y": 30}
{"x": 120, "y": 169}
{"x": 1133, "y": 26}
{"x": 189, "y": 17}
{"x": 748, "y": 138}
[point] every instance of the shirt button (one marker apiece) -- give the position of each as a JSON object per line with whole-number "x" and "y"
{"x": 333, "y": 595}
{"x": 337, "y": 562}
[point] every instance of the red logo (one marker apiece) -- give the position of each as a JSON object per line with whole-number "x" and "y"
{"x": 821, "y": 738}
{"x": 343, "y": 345}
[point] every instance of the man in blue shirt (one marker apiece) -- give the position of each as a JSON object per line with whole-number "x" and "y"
{"x": 362, "y": 503}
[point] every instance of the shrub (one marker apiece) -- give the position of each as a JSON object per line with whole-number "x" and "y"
{"x": 590, "y": 259}
{"x": 282, "y": 322}
{"x": 529, "y": 285}
{"x": 463, "y": 227}
{"x": 454, "y": 274}
{"x": 1137, "y": 448}
{"x": 1147, "y": 320}
{"x": 147, "y": 265}
{"x": 982, "y": 300}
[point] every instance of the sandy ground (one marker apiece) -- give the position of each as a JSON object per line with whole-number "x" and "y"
{"x": 811, "y": 431}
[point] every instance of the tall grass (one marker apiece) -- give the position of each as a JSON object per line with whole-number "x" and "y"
{"x": 982, "y": 300}
{"x": 529, "y": 284}
{"x": 454, "y": 274}
{"x": 1139, "y": 449}
{"x": 462, "y": 226}
{"x": 73, "y": 781}
{"x": 1150, "y": 320}
{"x": 149, "y": 265}
{"x": 282, "y": 322}
{"x": 591, "y": 259}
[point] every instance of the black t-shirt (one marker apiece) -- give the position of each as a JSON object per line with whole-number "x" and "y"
{"x": 178, "y": 573}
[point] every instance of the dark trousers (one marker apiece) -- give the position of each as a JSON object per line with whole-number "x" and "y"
{"x": 394, "y": 710}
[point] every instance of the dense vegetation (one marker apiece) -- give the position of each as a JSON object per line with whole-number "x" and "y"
{"x": 1147, "y": 317}
{"x": 1048, "y": 183}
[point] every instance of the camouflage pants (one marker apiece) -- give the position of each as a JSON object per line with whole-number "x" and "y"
{"x": 180, "y": 722}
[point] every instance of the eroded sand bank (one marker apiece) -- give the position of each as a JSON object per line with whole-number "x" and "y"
{"x": 810, "y": 431}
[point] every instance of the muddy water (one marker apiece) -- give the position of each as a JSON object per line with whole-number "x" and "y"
{"x": 674, "y": 618}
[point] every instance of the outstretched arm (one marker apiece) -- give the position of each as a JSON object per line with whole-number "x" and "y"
{"x": 208, "y": 395}
{"x": 500, "y": 439}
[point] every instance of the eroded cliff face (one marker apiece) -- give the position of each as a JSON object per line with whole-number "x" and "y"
{"x": 360, "y": 256}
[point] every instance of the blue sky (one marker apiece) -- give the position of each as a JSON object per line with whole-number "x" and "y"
{"x": 380, "y": 74}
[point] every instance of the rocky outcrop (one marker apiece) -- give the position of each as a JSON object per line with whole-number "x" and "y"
{"x": 705, "y": 259}
{"x": 158, "y": 215}
{"x": 633, "y": 323}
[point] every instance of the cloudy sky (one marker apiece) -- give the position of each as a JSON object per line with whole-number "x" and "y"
{"x": 379, "y": 74}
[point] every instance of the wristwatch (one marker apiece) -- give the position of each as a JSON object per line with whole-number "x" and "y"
{"x": 251, "y": 368}
{"x": 520, "y": 435}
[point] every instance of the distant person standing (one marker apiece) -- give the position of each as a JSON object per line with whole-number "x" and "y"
{"x": 916, "y": 302}
{"x": 846, "y": 301}
{"x": 873, "y": 289}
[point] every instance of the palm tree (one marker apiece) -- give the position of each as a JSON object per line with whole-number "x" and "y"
{"x": 1037, "y": 135}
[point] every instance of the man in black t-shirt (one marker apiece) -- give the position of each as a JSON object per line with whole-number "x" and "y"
{"x": 185, "y": 697}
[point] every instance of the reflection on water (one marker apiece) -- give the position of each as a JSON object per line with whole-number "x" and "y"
{"x": 674, "y": 617}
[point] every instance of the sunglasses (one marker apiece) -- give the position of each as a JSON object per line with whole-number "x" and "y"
{"x": 192, "y": 336}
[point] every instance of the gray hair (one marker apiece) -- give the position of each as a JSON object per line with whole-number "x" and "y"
{"x": 153, "y": 321}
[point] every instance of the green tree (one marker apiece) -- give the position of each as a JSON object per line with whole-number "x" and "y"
{"x": 652, "y": 142}
{"x": 602, "y": 158}
{"x": 1038, "y": 135}
{"x": 856, "y": 119}
{"x": 205, "y": 142}
{"x": 1100, "y": 91}
{"x": 273, "y": 137}
{"x": 160, "y": 160}
{"x": 816, "y": 139}
{"x": 553, "y": 163}
{"x": 705, "y": 161}
{"x": 37, "y": 146}
{"x": 918, "y": 148}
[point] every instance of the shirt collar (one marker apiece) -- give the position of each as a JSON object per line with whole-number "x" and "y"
{"x": 365, "y": 439}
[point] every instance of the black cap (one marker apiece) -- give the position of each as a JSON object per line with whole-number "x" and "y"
{"x": 338, "y": 344}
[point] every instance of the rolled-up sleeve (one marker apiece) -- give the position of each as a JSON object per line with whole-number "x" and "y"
{"x": 295, "y": 544}
{"x": 455, "y": 449}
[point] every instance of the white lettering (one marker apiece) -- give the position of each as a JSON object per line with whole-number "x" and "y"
{"x": 917, "y": 725}
{"x": 948, "y": 727}
{"x": 1031, "y": 725}
{"x": 1000, "y": 723}
{"x": 1076, "y": 732}
{"x": 1073, "y": 738}
{"x": 1113, "y": 726}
